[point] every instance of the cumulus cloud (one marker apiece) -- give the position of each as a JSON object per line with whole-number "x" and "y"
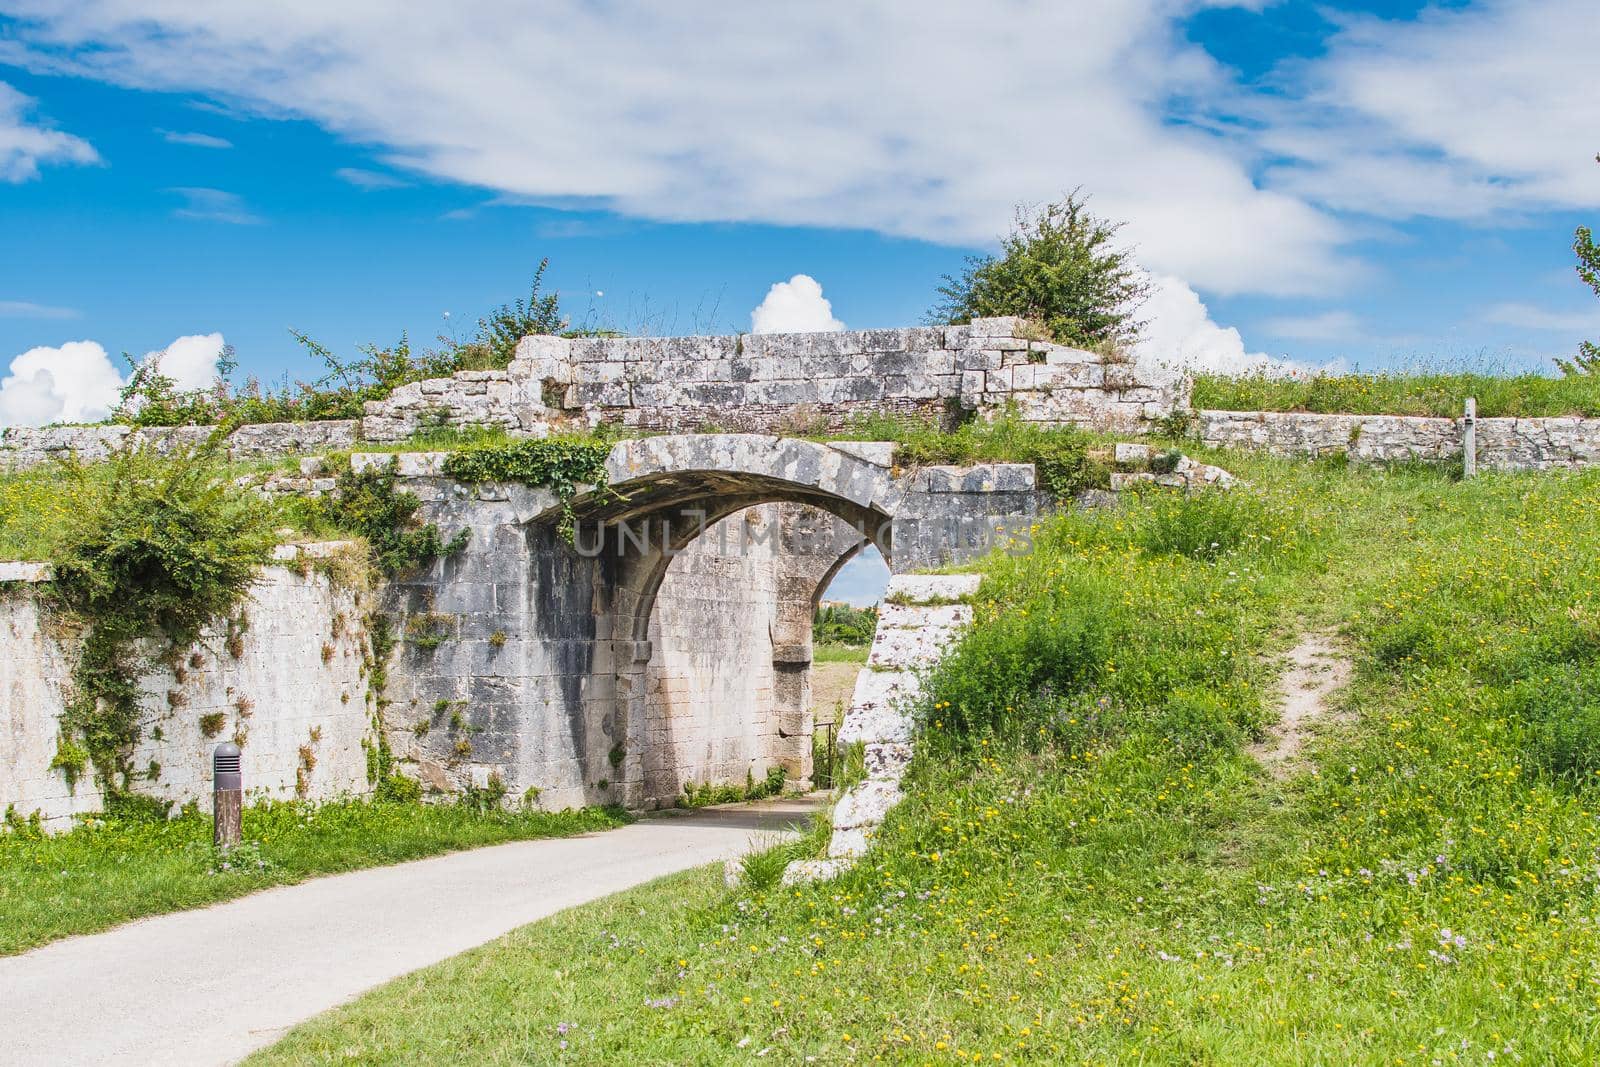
{"x": 794, "y": 306}
{"x": 23, "y": 147}
{"x": 73, "y": 383}
{"x": 77, "y": 381}
{"x": 669, "y": 111}
{"x": 1180, "y": 336}
{"x": 191, "y": 360}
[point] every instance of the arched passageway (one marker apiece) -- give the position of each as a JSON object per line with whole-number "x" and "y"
{"x": 527, "y": 658}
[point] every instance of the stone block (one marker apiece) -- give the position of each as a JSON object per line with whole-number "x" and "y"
{"x": 1132, "y": 453}
{"x": 12, "y": 571}
{"x": 878, "y": 453}
{"x": 932, "y": 588}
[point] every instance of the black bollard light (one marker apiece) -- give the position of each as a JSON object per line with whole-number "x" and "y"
{"x": 227, "y": 796}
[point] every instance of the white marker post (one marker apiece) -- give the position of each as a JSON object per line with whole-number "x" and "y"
{"x": 1469, "y": 439}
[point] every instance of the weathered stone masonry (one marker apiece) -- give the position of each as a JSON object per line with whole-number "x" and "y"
{"x": 291, "y": 684}
{"x": 1503, "y": 443}
{"x": 764, "y": 383}
{"x": 547, "y": 650}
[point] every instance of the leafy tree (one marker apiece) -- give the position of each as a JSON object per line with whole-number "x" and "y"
{"x": 1058, "y": 267}
{"x": 1587, "y": 360}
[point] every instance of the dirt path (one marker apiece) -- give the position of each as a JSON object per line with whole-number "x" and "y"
{"x": 1316, "y": 668}
{"x": 832, "y": 686}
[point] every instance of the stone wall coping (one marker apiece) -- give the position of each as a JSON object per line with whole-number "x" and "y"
{"x": 26, "y": 571}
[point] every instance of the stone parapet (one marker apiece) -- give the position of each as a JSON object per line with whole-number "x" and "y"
{"x": 1503, "y": 443}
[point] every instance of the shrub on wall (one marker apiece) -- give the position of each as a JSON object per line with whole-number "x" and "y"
{"x": 1059, "y": 267}
{"x": 155, "y": 547}
{"x": 559, "y": 464}
{"x": 153, "y": 399}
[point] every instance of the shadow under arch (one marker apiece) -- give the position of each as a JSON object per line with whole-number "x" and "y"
{"x": 663, "y": 495}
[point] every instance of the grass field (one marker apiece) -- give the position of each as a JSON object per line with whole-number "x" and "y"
{"x": 1089, "y": 867}
{"x": 98, "y": 876}
{"x": 1440, "y": 394}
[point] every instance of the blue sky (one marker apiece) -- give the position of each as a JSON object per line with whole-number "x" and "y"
{"x": 1360, "y": 184}
{"x": 1333, "y": 182}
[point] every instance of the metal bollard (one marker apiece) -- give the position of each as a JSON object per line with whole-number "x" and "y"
{"x": 227, "y": 797}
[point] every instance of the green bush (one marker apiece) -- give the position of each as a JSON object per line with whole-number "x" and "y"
{"x": 155, "y": 546}
{"x": 841, "y": 624}
{"x": 1059, "y": 267}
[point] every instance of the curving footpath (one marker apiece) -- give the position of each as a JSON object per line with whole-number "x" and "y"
{"x": 210, "y": 986}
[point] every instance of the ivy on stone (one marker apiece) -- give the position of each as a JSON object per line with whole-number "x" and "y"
{"x": 559, "y": 464}
{"x": 157, "y": 547}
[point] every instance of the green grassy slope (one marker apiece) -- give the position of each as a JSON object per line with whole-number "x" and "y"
{"x": 1436, "y": 393}
{"x": 1090, "y": 868}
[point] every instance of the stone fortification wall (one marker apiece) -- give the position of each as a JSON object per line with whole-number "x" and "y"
{"x": 1503, "y": 443}
{"x": 26, "y": 447}
{"x": 781, "y": 382}
{"x": 766, "y": 383}
{"x": 289, "y": 687}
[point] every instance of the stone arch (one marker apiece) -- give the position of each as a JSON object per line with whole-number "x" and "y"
{"x": 664, "y": 494}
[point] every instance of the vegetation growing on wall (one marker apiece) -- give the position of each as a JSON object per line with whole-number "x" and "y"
{"x": 702, "y": 796}
{"x": 370, "y": 505}
{"x": 559, "y": 464}
{"x": 152, "y": 398}
{"x": 1059, "y": 267}
{"x": 154, "y": 547}
{"x": 1436, "y": 393}
{"x": 1060, "y": 455}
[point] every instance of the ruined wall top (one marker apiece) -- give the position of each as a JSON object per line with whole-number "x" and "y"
{"x": 752, "y": 383}
{"x": 766, "y": 383}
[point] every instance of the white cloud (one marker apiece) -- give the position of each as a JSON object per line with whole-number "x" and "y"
{"x": 1322, "y": 326}
{"x": 369, "y": 179}
{"x": 73, "y": 383}
{"x": 24, "y": 147}
{"x": 1532, "y": 317}
{"x": 925, "y": 120}
{"x": 1179, "y": 335}
{"x": 77, "y": 381}
{"x": 190, "y": 361}
{"x": 27, "y": 309}
{"x": 1467, "y": 111}
{"x": 194, "y": 140}
{"x": 794, "y": 306}
{"x": 214, "y": 205}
